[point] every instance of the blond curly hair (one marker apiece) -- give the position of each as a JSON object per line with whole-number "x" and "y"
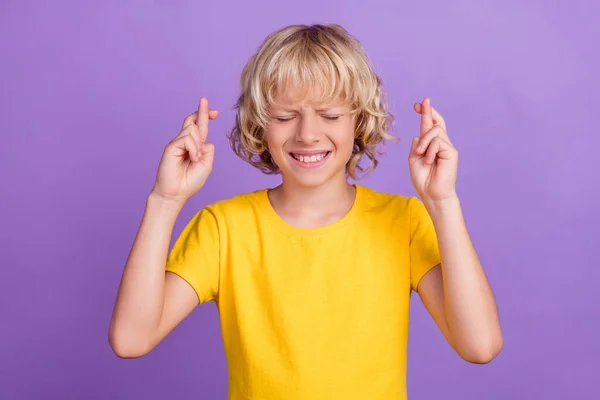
{"x": 309, "y": 56}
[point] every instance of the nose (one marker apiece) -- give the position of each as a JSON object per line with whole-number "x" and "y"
{"x": 308, "y": 130}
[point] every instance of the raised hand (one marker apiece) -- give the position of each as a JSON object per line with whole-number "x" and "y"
{"x": 187, "y": 160}
{"x": 433, "y": 160}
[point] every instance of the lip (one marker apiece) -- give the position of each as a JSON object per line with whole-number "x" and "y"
{"x": 315, "y": 164}
{"x": 309, "y": 153}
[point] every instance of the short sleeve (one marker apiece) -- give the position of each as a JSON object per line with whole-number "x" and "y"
{"x": 424, "y": 250}
{"x": 195, "y": 255}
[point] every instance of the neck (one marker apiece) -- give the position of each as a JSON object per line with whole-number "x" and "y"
{"x": 333, "y": 197}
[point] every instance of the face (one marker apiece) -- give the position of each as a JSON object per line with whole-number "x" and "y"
{"x": 309, "y": 140}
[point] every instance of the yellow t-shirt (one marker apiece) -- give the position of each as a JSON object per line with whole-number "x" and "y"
{"x": 310, "y": 313}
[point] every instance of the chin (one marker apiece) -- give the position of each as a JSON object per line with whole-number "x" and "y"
{"x": 308, "y": 182}
{"x": 313, "y": 178}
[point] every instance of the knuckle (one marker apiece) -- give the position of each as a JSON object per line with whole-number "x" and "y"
{"x": 189, "y": 120}
{"x": 193, "y": 130}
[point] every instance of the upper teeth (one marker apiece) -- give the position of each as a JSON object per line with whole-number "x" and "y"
{"x": 309, "y": 159}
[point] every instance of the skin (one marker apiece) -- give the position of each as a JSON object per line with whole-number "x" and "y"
{"x": 151, "y": 303}
{"x": 456, "y": 293}
{"x": 311, "y": 197}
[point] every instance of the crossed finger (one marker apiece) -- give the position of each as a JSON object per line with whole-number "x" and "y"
{"x": 425, "y": 140}
{"x": 433, "y": 140}
{"x": 196, "y": 124}
{"x": 187, "y": 144}
{"x": 193, "y": 117}
{"x": 430, "y": 117}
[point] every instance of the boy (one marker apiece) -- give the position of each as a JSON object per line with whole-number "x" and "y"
{"x": 312, "y": 278}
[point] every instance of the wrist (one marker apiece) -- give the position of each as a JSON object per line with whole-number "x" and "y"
{"x": 448, "y": 207}
{"x": 165, "y": 203}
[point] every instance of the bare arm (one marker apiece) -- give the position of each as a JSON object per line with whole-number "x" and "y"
{"x": 457, "y": 294}
{"x": 150, "y": 302}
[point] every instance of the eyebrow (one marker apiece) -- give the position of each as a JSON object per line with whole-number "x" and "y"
{"x": 328, "y": 108}
{"x": 321, "y": 109}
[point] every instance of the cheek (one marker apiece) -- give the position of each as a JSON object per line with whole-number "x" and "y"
{"x": 344, "y": 138}
{"x": 275, "y": 141}
{"x": 272, "y": 139}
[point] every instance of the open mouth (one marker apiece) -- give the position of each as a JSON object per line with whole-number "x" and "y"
{"x": 314, "y": 158}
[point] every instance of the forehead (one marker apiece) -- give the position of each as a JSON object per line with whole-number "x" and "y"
{"x": 296, "y": 97}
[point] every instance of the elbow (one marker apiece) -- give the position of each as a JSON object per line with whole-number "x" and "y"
{"x": 484, "y": 352}
{"x": 127, "y": 346}
{"x": 481, "y": 357}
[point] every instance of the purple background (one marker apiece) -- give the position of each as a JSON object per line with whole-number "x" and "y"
{"x": 90, "y": 95}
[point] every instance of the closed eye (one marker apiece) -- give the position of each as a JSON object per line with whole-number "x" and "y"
{"x": 327, "y": 117}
